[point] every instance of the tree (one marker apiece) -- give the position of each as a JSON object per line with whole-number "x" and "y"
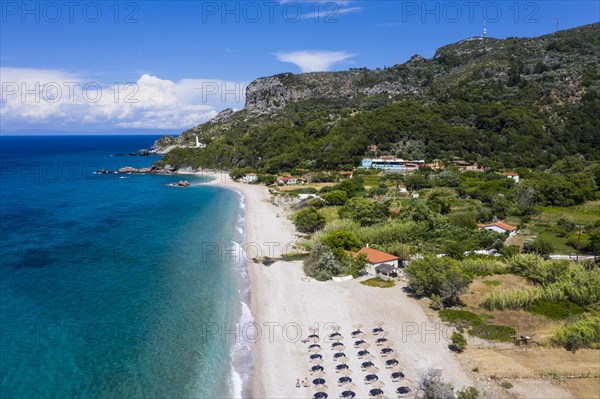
{"x": 448, "y": 178}
{"x": 440, "y": 200}
{"x": 364, "y": 211}
{"x": 309, "y": 220}
{"x": 524, "y": 197}
{"x": 321, "y": 263}
{"x": 439, "y": 276}
{"x": 539, "y": 246}
{"x": 343, "y": 240}
{"x": 336, "y": 197}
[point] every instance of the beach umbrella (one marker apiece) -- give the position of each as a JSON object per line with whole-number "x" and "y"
{"x": 343, "y": 359}
{"x": 364, "y": 345}
{"x": 403, "y": 390}
{"x": 391, "y": 363}
{"x": 377, "y": 384}
{"x": 358, "y": 326}
{"x": 369, "y": 357}
{"x": 344, "y": 380}
{"x": 397, "y": 372}
{"x": 314, "y": 339}
{"x": 316, "y": 361}
{"x": 335, "y": 334}
{"x": 314, "y": 346}
{"x": 316, "y": 356}
{"x": 336, "y": 328}
{"x": 315, "y": 369}
{"x": 381, "y": 341}
{"x": 319, "y": 381}
{"x": 386, "y": 351}
{"x": 315, "y": 349}
{"x": 372, "y": 369}
{"x": 338, "y": 346}
{"x": 346, "y": 372}
{"x": 348, "y": 394}
{"x": 313, "y": 329}
{"x": 340, "y": 367}
{"x": 320, "y": 395}
{"x": 375, "y": 392}
{"x": 371, "y": 378}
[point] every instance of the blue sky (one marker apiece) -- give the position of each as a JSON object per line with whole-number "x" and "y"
{"x": 188, "y": 60}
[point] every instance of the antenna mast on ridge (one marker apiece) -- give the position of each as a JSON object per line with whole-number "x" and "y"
{"x": 557, "y": 24}
{"x": 484, "y": 28}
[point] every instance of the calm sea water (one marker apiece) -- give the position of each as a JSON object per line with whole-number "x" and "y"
{"x": 113, "y": 287}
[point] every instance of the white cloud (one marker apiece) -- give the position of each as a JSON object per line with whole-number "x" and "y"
{"x": 314, "y": 60}
{"x": 58, "y": 99}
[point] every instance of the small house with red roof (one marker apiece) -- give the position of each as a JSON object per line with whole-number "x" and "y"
{"x": 499, "y": 227}
{"x": 512, "y": 175}
{"x": 250, "y": 178}
{"x": 379, "y": 263}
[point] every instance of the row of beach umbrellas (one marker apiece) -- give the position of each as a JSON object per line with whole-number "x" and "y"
{"x": 375, "y": 385}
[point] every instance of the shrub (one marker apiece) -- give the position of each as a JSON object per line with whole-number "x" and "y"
{"x": 309, "y": 220}
{"x": 459, "y": 342}
{"x": 557, "y": 310}
{"x": 539, "y": 246}
{"x": 468, "y": 392}
{"x": 439, "y": 276}
{"x": 378, "y": 282}
{"x": 321, "y": 263}
{"x": 483, "y": 266}
{"x": 584, "y": 333}
{"x": 477, "y": 325}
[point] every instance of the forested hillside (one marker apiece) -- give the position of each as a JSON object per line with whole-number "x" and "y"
{"x": 503, "y": 103}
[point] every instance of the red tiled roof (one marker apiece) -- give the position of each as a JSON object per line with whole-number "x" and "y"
{"x": 510, "y": 174}
{"x": 500, "y": 224}
{"x": 375, "y": 256}
{"x": 250, "y": 174}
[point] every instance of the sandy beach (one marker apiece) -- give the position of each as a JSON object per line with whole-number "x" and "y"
{"x": 286, "y": 303}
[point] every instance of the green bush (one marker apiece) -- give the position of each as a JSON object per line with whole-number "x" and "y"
{"x": 459, "y": 342}
{"x": 557, "y": 310}
{"x": 321, "y": 263}
{"x": 309, "y": 220}
{"x": 484, "y": 266}
{"x": 477, "y": 325}
{"x": 439, "y": 276}
{"x": 583, "y": 333}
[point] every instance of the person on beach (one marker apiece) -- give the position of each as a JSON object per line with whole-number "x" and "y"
{"x": 297, "y": 382}
{"x": 305, "y": 382}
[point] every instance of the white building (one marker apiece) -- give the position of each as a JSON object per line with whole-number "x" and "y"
{"x": 250, "y": 177}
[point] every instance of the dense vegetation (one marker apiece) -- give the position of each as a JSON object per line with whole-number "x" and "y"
{"x": 504, "y": 103}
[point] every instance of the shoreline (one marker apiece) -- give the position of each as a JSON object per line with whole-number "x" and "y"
{"x": 285, "y": 304}
{"x": 257, "y": 242}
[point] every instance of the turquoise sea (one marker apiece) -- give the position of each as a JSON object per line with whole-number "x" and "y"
{"x": 115, "y": 287}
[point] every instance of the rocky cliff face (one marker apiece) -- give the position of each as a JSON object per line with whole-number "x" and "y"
{"x": 275, "y": 92}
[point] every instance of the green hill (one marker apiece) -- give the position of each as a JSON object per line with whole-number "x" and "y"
{"x": 503, "y": 103}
